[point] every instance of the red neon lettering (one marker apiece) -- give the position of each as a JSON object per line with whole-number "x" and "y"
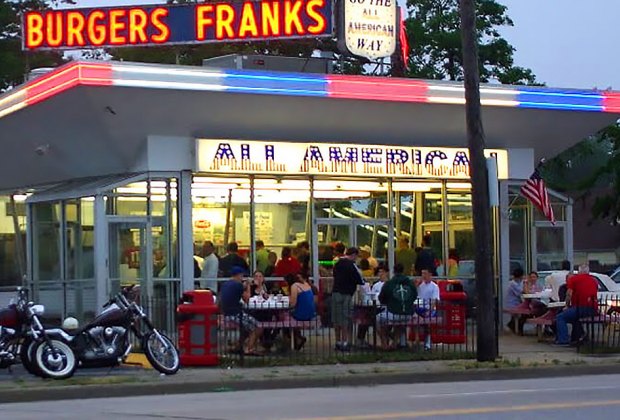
{"x": 34, "y": 30}
{"x": 224, "y": 16}
{"x": 164, "y": 31}
{"x": 96, "y": 31}
{"x": 53, "y": 21}
{"x": 270, "y": 13}
{"x": 137, "y": 26}
{"x": 292, "y": 18}
{"x": 202, "y": 20}
{"x": 321, "y": 21}
{"x": 116, "y": 26}
{"x": 75, "y": 29}
{"x": 248, "y": 21}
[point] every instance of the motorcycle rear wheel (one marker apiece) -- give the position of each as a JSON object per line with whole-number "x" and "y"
{"x": 59, "y": 366}
{"x": 26, "y": 354}
{"x": 163, "y": 356}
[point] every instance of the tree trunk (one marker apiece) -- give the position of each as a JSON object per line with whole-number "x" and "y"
{"x": 486, "y": 341}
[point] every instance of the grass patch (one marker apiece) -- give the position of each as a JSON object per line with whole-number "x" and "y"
{"x": 341, "y": 358}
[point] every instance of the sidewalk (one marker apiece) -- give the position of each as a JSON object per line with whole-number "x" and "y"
{"x": 521, "y": 357}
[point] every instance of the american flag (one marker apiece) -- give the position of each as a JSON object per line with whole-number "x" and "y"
{"x": 534, "y": 190}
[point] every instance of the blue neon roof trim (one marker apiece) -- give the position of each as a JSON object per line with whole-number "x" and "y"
{"x": 559, "y": 106}
{"x": 276, "y": 91}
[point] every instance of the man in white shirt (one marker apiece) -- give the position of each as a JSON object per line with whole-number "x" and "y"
{"x": 428, "y": 292}
{"x": 210, "y": 266}
{"x": 555, "y": 280}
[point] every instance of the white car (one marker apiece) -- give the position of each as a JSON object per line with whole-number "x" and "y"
{"x": 608, "y": 289}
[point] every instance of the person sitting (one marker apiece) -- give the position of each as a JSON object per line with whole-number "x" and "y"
{"x": 428, "y": 291}
{"x": 514, "y": 299}
{"x": 531, "y": 286}
{"x": 556, "y": 280}
{"x": 581, "y": 302}
{"x": 232, "y": 293}
{"x": 258, "y": 287}
{"x": 398, "y": 295}
{"x": 303, "y": 302}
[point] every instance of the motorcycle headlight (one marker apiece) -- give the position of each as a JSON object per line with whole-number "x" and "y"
{"x": 38, "y": 310}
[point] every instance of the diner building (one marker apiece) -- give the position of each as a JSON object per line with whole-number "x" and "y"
{"x": 115, "y": 173}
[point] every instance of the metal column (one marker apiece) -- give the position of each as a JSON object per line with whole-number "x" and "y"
{"x": 186, "y": 240}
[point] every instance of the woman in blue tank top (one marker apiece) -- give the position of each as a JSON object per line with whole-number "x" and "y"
{"x": 303, "y": 303}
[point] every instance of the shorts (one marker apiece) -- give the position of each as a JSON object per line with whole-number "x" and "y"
{"x": 388, "y": 317}
{"x": 246, "y": 321}
{"x": 342, "y": 309}
{"x": 425, "y": 312}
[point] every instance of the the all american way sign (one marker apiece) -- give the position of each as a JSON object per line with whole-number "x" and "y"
{"x": 220, "y": 21}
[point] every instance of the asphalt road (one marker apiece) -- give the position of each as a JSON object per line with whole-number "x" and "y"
{"x": 580, "y": 397}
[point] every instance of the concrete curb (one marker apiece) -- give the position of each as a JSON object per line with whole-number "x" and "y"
{"x": 363, "y": 379}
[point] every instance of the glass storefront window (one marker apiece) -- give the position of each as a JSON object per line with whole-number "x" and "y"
{"x": 461, "y": 249}
{"x": 281, "y": 217}
{"x": 46, "y": 246}
{"x": 79, "y": 216}
{"x": 12, "y": 214}
{"x": 220, "y": 213}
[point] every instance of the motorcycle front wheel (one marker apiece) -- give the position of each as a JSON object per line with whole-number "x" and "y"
{"x": 54, "y": 360}
{"x": 161, "y": 353}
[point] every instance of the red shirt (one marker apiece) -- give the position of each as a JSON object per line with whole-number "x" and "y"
{"x": 585, "y": 288}
{"x": 286, "y": 266}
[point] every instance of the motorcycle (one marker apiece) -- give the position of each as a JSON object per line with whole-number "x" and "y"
{"x": 22, "y": 337}
{"x": 105, "y": 341}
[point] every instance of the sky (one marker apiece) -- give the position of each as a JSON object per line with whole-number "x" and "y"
{"x": 567, "y": 43}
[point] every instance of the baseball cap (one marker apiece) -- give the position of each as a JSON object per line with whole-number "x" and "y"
{"x": 365, "y": 248}
{"x": 236, "y": 270}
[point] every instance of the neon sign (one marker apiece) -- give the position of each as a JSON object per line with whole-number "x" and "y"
{"x": 221, "y": 21}
{"x": 246, "y": 157}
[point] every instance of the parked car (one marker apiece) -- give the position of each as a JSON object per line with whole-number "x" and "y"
{"x": 607, "y": 287}
{"x": 615, "y": 275}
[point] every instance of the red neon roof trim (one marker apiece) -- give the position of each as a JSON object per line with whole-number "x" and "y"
{"x": 384, "y": 89}
{"x": 611, "y": 102}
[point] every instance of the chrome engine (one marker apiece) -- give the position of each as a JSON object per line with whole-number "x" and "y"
{"x": 105, "y": 342}
{"x": 6, "y": 335}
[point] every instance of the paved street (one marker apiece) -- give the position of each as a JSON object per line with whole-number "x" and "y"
{"x": 557, "y": 398}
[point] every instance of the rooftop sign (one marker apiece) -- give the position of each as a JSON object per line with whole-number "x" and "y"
{"x": 220, "y": 21}
{"x": 239, "y": 156}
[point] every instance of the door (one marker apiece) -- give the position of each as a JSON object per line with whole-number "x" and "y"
{"x": 377, "y": 234}
{"x": 128, "y": 254}
{"x": 549, "y": 246}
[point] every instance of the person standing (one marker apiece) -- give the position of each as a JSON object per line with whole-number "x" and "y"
{"x": 287, "y": 264}
{"x": 233, "y": 259}
{"x": 581, "y": 302}
{"x": 555, "y": 281}
{"x": 426, "y": 259}
{"x": 366, "y": 254}
{"x": 428, "y": 292}
{"x": 405, "y": 256}
{"x": 346, "y": 279}
{"x": 210, "y": 265}
{"x": 262, "y": 256}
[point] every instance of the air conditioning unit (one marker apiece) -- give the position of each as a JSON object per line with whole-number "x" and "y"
{"x": 322, "y": 65}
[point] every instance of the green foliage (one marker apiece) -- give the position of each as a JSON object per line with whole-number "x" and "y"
{"x": 14, "y": 62}
{"x": 592, "y": 163}
{"x": 433, "y": 29}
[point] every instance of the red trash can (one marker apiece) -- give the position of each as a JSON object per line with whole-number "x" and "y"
{"x": 452, "y": 310}
{"x": 197, "y": 325}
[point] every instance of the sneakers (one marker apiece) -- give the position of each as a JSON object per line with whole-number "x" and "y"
{"x": 343, "y": 347}
{"x": 427, "y": 343}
